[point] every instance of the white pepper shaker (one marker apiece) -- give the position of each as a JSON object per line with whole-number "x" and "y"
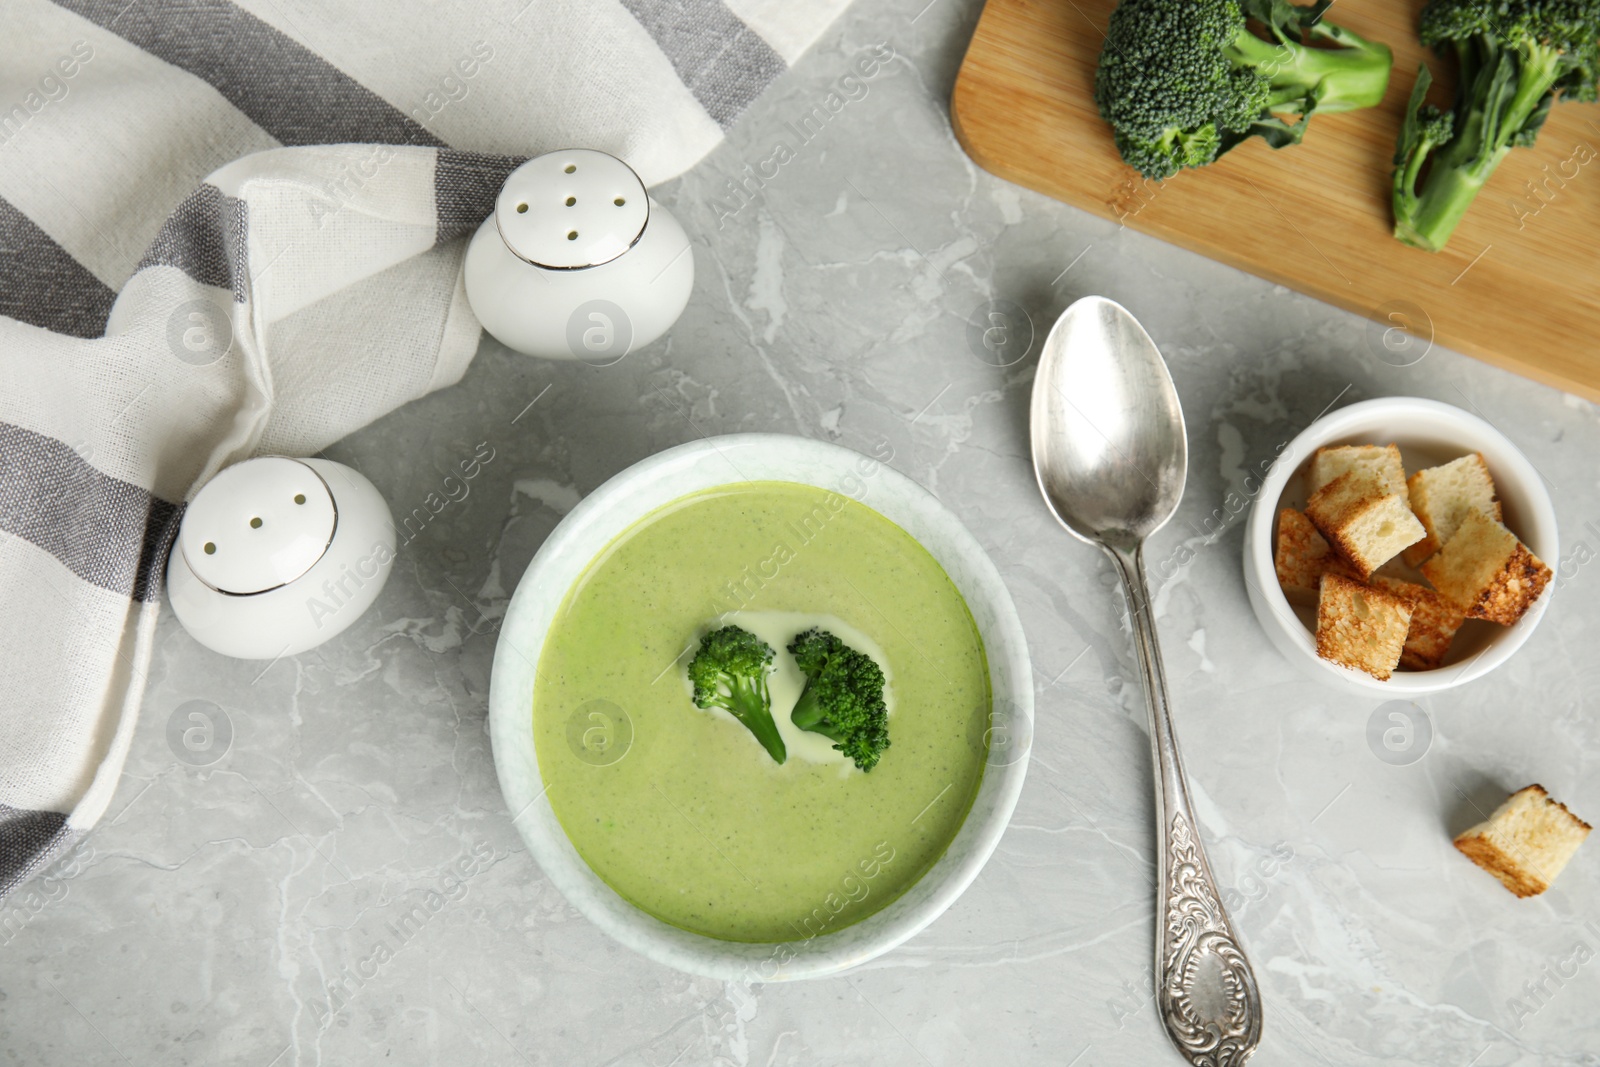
{"x": 578, "y": 262}
{"x": 274, "y": 556}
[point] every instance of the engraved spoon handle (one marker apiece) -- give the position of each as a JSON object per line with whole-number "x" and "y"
{"x": 1205, "y": 989}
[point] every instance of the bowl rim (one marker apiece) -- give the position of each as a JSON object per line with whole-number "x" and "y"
{"x": 569, "y": 549}
{"x": 1513, "y": 471}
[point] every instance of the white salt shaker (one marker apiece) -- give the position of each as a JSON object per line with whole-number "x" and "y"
{"x": 577, "y": 261}
{"x": 274, "y": 556}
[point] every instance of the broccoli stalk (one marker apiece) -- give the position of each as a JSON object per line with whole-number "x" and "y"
{"x": 730, "y": 672}
{"x": 1351, "y": 74}
{"x": 1183, "y": 81}
{"x": 1515, "y": 56}
{"x": 843, "y": 697}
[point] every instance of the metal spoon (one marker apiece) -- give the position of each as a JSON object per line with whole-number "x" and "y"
{"x": 1110, "y": 454}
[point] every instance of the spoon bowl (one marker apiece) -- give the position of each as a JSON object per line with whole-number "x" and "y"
{"x": 1109, "y": 445}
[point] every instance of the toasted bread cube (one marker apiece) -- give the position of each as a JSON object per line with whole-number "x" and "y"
{"x": 1486, "y": 572}
{"x": 1381, "y": 462}
{"x": 1441, "y": 497}
{"x": 1303, "y": 557}
{"x": 1364, "y": 519}
{"x": 1526, "y": 842}
{"x": 1361, "y": 627}
{"x": 1434, "y": 622}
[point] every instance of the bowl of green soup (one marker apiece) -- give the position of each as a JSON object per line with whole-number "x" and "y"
{"x": 733, "y": 831}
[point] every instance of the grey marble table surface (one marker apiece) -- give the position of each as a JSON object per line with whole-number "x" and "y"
{"x": 204, "y": 920}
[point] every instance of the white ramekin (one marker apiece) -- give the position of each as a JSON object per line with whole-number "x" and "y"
{"x": 1425, "y": 430}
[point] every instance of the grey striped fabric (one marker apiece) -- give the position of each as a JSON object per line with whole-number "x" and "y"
{"x": 42, "y": 285}
{"x": 104, "y": 530}
{"x": 213, "y": 213}
{"x": 721, "y": 60}
{"x": 28, "y": 840}
{"x": 205, "y": 238}
{"x": 464, "y": 188}
{"x": 283, "y": 87}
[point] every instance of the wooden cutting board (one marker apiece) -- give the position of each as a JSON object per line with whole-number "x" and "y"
{"x": 1519, "y": 285}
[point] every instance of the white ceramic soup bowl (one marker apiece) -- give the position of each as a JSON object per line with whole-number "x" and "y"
{"x": 1428, "y": 432}
{"x": 617, "y": 505}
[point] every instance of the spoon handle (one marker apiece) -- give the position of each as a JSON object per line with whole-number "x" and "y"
{"x": 1205, "y": 988}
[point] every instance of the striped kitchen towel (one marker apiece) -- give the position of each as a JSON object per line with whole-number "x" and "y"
{"x": 232, "y": 227}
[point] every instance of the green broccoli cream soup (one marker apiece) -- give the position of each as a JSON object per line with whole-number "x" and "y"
{"x": 681, "y": 810}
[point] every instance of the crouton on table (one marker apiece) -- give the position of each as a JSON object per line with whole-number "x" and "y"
{"x": 1526, "y": 842}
